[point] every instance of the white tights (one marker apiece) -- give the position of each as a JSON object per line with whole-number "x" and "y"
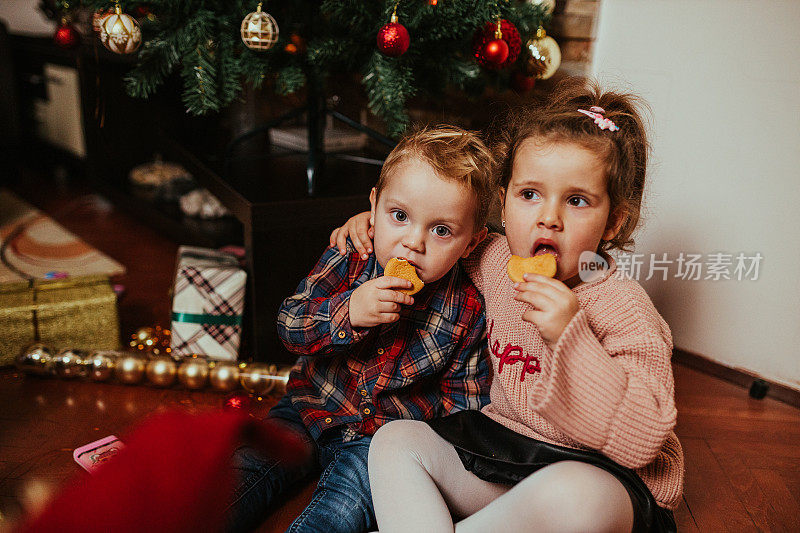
{"x": 418, "y": 483}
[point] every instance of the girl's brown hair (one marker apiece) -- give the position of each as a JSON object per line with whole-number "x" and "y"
{"x": 624, "y": 152}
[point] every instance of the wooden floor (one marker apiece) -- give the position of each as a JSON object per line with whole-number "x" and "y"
{"x": 742, "y": 455}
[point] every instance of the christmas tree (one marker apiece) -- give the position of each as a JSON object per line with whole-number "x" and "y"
{"x": 399, "y": 47}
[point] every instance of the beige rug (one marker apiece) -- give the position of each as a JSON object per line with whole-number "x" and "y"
{"x": 35, "y": 245}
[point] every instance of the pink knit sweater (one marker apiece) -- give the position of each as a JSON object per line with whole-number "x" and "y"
{"x": 607, "y": 385}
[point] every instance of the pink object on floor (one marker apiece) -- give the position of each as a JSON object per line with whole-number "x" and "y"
{"x": 96, "y": 453}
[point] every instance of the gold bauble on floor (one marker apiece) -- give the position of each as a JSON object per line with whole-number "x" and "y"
{"x": 130, "y": 368}
{"x": 161, "y": 371}
{"x": 224, "y": 376}
{"x": 35, "y": 359}
{"x": 100, "y": 364}
{"x": 193, "y": 373}
{"x": 69, "y": 363}
{"x": 258, "y": 378}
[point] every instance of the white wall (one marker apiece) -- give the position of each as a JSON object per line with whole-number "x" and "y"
{"x": 723, "y": 80}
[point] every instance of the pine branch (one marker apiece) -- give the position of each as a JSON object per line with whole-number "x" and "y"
{"x": 229, "y": 78}
{"x": 199, "y": 81}
{"x": 290, "y": 79}
{"x": 156, "y": 61}
{"x": 254, "y": 68}
{"x": 389, "y": 85}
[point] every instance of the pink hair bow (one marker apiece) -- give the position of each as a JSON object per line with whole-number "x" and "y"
{"x": 602, "y": 122}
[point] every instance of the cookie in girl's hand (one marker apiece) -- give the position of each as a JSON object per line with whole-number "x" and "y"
{"x": 544, "y": 265}
{"x": 400, "y": 268}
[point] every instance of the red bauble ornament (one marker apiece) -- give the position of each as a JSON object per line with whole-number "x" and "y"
{"x": 485, "y": 35}
{"x": 297, "y": 45}
{"x": 496, "y": 51}
{"x": 141, "y": 12}
{"x": 522, "y": 83}
{"x": 66, "y": 36}
{"x": 393, "y": 38}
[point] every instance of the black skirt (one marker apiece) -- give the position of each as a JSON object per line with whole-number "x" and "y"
{"x": 497, "y": 454}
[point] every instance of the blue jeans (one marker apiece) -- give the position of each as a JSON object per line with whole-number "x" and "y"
{"x": 341, "y": 502}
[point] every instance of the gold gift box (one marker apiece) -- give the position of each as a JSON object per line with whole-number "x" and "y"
{"x": 78, "y": 312}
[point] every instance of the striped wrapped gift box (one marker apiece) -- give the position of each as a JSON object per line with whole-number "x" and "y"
{"x": 207, "y": 304}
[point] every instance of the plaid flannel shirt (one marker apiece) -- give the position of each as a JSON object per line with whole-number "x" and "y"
{"x": 428, "y": 364}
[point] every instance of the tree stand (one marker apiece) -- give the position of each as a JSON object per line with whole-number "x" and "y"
{"x": 316, "y": 111}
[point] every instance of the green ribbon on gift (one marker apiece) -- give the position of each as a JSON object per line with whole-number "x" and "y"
{"x": 214, "y": 320}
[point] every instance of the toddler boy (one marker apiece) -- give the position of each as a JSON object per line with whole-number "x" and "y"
{"x": 371, "y": 353}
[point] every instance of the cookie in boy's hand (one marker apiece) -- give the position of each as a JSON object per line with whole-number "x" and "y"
{"x": 400, "y": 268}
{"x": 544, "y": 265}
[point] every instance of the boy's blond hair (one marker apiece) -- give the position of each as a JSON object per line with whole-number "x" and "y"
{"x": 455, "y": 155}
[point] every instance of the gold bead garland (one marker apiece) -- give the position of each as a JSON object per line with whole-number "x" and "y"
{"x": 193, "y": 372}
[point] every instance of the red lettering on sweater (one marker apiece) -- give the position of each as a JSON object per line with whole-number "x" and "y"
{"x": 511, "y": 355}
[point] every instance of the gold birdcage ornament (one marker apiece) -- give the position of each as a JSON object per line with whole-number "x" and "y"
{"x": 259, "y": 30}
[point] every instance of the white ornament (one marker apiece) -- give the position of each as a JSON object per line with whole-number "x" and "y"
{"x": 120, "y": 33}
{"x": 548, "y": 5}
{"x": 201, "y": 203}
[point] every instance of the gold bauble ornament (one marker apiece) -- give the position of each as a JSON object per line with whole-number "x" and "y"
{"x": 143, "y": 339}
{"x": 224, "y": 376}
{"x": 259, "y": 30}
{"x": 69, "y": 363}
{"x": 165, "y": 342}
{"x": 161, "y": 371}
{"x": 281, "y": 379}
{"x": 193, "y": 373}
{"x": 155, "y": 340}
{"x": 120, "y": 33}
{"x": 258, "y": 378}
{"x": 36, "y": 359}
{"x": 543, "y": 55}
{"x": 130, "y": 368}
{"x": 100, "y": 364}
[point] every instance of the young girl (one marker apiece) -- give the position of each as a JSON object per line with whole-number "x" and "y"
{"x": 579, "y": 433}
